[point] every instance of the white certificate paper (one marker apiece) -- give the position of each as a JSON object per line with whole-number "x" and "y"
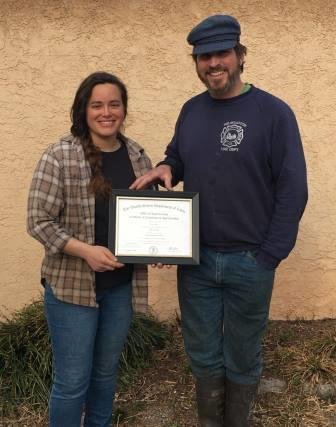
{"x": 153, "y": 227}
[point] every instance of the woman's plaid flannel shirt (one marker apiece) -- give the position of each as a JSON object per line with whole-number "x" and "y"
{"x": 60, "y": 207}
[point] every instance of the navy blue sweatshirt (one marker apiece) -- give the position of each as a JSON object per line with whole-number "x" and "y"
{"x": 244, "y": 157}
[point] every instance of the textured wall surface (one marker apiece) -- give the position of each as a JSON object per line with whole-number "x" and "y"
{"x": 47, "y": 47}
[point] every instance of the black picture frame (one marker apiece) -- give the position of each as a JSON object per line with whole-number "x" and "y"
{"x": 169, "y": 200}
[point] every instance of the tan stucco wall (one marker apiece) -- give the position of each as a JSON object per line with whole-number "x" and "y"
{"x": 47, "y": 47}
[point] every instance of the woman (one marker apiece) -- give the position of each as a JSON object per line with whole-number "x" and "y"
{"x": 88, "y": 293}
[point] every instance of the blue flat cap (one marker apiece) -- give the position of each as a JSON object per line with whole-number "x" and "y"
{"x": 215, "y": 33}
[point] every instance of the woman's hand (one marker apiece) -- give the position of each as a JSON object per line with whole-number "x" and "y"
{"x": 98, "y": 258}
{"x": 101, "y": 259}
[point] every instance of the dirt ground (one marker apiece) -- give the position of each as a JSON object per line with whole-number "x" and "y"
{"x": 303, "y": 354}
{"x": 163, "y": 396}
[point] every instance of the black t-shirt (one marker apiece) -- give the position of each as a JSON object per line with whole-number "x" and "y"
{"x": 117, "y": 169}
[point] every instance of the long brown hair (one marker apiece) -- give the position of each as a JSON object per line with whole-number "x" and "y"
{"x": 98, "y": 184}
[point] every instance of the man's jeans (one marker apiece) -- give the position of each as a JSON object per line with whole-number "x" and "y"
{"x": 86, "y": 344}
{"x": 224, "y": 305}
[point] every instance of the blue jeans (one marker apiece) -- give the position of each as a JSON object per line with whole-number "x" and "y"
{"x": 87, "y": 343}
{"x": 224, "y": 305}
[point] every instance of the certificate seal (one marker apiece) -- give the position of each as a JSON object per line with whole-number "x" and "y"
{"x": 153, "y": 250}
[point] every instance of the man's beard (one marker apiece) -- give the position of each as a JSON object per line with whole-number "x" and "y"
{"x": 219, "y": 91}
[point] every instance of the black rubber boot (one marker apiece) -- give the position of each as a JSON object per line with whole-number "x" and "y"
{"x": 210, "y": 396}
{"x": 239, "y": 399}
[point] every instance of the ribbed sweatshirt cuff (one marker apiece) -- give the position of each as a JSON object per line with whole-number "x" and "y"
{"x": 267, "y": 260}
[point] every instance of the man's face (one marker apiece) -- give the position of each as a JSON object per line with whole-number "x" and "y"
{"x": 220, "y": 72}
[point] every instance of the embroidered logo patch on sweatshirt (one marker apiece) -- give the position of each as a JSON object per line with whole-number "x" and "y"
{"x": 232, "y": 136}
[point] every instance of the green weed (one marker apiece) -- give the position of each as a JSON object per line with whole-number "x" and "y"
{"x": 26, "y": 359}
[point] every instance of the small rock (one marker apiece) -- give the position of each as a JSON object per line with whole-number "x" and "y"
{"x": 326, "y": 391}
{"x": 271, "y": 385}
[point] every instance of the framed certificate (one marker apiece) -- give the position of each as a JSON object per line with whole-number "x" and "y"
{"x": 153, "y": 227}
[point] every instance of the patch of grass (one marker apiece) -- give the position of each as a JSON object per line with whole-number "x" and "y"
{"x": 163, "y": 394}
{"x": 118, "y": 416}
{"x": 303, "y": 354}
{"x": 146, "y": 333}
{"x": 317, "y": 368}
{"x": 295, "y": 411}
{"x": 26, "y": 359}
{"x": 325, "y": 343}
{"x": 299, "y": 361}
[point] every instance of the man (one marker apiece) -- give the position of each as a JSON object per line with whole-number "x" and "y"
{"x": 240, "y": 148}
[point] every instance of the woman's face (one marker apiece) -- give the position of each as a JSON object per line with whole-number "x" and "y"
{"x": 105, "y": 113}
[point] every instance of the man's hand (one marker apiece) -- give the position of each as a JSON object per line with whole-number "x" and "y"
{"x": 160, "y": 265}
{"x": 160, "y": 173}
